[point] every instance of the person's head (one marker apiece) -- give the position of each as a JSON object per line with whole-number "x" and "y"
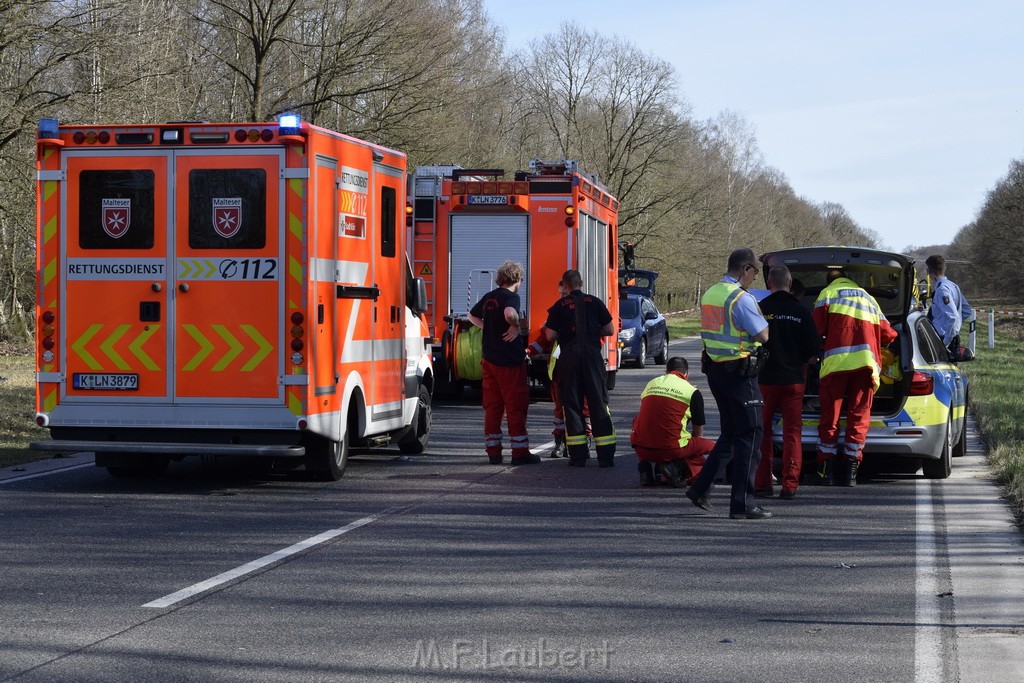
{"x": 572, "y": 280}
{"x": 510, "y": 274}
{"x": 779, "y": 278}
{"x": 834, "y": 274}
{"x": 562, "y": 289}
{"x": 936, "y": 265}
{"x": 743, "y": 266}
{"x": 677, "y": 364}
{"x": 797, "y": 287}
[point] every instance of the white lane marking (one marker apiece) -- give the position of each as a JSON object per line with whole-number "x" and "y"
{"x": 249, "y": 567}
{"x": 46, "y": 473}
{"x": 543, "y": 447}
{"x": 927, "y": 617}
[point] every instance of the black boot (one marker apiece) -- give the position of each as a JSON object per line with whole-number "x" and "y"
{"x": 839, "y": 471}
{"x": 850, "y": 478}
{"x": 823, "y": 475}
{"x": 647, "y": 477}
{"x": 559, "y": 450}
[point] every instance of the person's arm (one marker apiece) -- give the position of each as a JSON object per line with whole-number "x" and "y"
{"x": 965, "y": 308}
{"x": 475, "y": 320}
{"x": 512, "y": 318}
{"x": 762, "y": 336}
{"x": 608, "y": 329}
{"x": 697, "y": 413}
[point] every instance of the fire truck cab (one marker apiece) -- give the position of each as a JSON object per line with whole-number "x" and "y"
{"x": 225, "y": 289}
{"x": 465, "y": 222}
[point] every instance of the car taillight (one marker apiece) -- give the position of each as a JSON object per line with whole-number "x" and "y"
{"x": 922, "y": 384}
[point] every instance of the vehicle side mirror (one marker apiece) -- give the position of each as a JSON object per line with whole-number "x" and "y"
{"x": 419, "y": 303}
{"x": 650, "y": 315}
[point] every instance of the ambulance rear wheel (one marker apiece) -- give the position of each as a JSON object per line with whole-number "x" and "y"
{"x": 416, "y": 439}
{"x": 337, "y": 458}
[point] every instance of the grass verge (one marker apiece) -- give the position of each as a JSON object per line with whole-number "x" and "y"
{"x": 17, "y": 411}
{"x": 996, "y": 376}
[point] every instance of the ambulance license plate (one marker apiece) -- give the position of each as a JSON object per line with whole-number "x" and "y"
{"x": 105, "y": 381}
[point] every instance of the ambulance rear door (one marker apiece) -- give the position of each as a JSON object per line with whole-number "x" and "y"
{"x": 228, "y": 280}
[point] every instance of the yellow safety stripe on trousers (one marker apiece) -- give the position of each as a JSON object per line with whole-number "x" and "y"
{"x": 576, "y": 440}
{"x": 604, "y": 440}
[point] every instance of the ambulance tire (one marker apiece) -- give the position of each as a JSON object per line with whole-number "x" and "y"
{"x": 337, "y": 457}
{"x": 147, "y": 467}
{"x": 416, "y": 439}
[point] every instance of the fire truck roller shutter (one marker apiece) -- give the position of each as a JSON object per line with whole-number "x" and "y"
{"x": 484, "y": 242}
{"x": 593, "y": 259}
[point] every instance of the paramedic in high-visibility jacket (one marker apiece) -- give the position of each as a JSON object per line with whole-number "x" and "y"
{"x": 661, "y": 434}
{"x": 731, "y": 327}
{"x": 854, "y": 331}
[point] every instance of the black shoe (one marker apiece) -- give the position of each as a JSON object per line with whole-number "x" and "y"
{"x": 752, "y": 513}
{"x": 764, "y": 492}
{"x": 647, "y": 479}
{"x": 787, "y": 495}
{"x": 531, "y": 459}
{"x": 700, "y": 501}
{"x": 673, "y": 474}
{"x": 495, "y": 459}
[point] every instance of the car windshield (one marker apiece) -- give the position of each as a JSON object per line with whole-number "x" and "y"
{"x": 629, "y": 308}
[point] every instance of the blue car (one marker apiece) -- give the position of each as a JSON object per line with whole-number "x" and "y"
{"x": 644, "y": 332}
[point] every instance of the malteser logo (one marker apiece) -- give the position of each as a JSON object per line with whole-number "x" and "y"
{"x": 117, "y": 216}
{"x": 227, "y": 215}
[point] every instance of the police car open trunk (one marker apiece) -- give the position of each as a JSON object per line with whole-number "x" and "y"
{"x": 887, "y": 277}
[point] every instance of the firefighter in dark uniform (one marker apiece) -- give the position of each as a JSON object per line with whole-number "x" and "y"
{"x": 578, "y": 321}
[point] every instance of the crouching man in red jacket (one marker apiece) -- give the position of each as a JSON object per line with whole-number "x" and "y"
{"x": 660, "y": 435}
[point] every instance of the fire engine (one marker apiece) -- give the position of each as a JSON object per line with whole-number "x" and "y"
{"x": 463, "y": 223}
{"x": 225, "y": 289}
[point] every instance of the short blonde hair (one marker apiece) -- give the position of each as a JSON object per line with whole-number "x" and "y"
{"x": 509, "y": 273}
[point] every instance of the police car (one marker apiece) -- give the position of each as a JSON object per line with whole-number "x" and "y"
{"x": 920, "y": 408}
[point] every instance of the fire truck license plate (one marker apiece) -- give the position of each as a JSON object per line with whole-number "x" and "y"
{"x": 105, "y": 381}
{"x": 488, "y": 199}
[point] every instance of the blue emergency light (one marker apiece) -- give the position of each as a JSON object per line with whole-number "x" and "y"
{"x": 289, "y": 124}
{"x": 48, "y": 129}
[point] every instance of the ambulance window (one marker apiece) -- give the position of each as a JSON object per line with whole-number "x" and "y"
{"x": 115, "y": 209}
{"x": 388, "y": 204}
{"x": 227, "y": 208}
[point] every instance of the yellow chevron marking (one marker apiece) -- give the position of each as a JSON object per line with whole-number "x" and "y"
{"x": 294, "y": 404}
{"x": 186, "y": 268}
{"x": 49, "y": 188}
{"x": 107, "y": 347}
{"x": 136, "y": 348}
{"x": 211, "y": 269}
{"x": 295, "y": 269}
{"x": 80, "y": 343}
{"x": 264, "y": 350}
{"x": 50, "y": 271}
{"x": 294, "y": 226}
{"x": 49, "y": 229}
{"x": 205, "y": 347}
{"x": 234, "y": 350}
{"x": 50, "y": 401}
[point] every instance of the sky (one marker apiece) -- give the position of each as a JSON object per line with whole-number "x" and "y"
{"x": 905, "y": 112}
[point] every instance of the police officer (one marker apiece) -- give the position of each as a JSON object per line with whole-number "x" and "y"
{"x": 731, "y": 327}
{"x": 578, "y": 321}
{"x": 949, "y": 307}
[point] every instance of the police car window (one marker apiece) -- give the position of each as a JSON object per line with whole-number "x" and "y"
{"x": 929, "y": 343}
{"x": 227, "y": 208}
{"x": 116, "y": 209}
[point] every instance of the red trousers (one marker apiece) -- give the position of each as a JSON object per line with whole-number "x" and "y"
{"x": 693, "y": 453}
{"x": 859, "y": 391}
{"x": 787, "y": 399}
{"x": 506, "y": 393}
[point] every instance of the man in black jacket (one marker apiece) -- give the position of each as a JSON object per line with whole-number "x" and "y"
{"x": 793, "y": 342}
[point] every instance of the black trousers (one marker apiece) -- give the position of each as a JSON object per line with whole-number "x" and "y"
{"x": 581, "y": 375}
{"x": 739, "y": 406}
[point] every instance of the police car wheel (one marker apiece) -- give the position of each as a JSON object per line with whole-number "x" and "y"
{"x": 942, "y": 467}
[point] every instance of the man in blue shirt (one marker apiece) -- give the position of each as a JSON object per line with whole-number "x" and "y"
{"x": 949, "y": 307}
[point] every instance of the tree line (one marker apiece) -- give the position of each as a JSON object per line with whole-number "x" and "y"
{"x": 433, "y": 78}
